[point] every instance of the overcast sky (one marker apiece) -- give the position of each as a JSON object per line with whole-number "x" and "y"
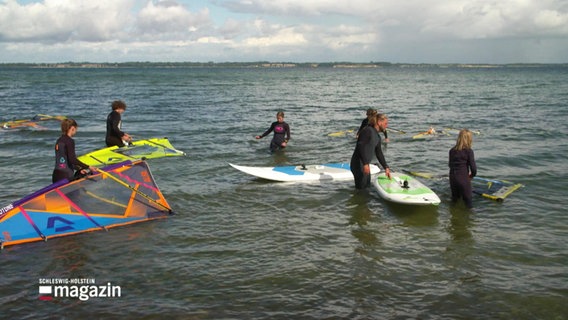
{"x": 398, "y": 31}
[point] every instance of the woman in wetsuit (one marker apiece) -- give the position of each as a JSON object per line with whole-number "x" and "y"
{"x": 114, "y": 135}
{"x": 462, "y": 168}
{"x": 281, "y": 133}
{"x": 66, "y": 161}
{"x": 369, "y": 142}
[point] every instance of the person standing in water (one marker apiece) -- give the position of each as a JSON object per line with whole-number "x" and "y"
{"x": 66, "y": 161}
{"x": 281, "y": 133}
{"x": 462, "y": 168}
{"x": 114, "y": 135}
{"x": 369, "y": 142}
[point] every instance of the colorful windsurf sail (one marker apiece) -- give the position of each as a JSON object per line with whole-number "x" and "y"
{"x": 496, "y": 190}
{"x": 117, "y": 195}
{"x": 32, "y": 123}
{"x": 141, "y": 149}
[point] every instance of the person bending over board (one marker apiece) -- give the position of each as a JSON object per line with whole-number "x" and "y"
{"x": 66, "y": 161}
{"x": 368, "y": 142}
{"x": 114, "y": 136}
{"x": 370, "y": 113}
{"x": 462, "y": 168}
{"x": 281, "y": 133}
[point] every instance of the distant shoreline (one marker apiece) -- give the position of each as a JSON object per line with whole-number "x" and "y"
{"x": 264, "y": 64}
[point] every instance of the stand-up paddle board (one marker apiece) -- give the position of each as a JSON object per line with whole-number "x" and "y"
{"x": 343, "y": 133}
{"x": 404, "y": 189}
{"x": 329, "y": 171}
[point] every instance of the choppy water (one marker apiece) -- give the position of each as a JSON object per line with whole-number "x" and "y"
{"x": 248, "y": 249}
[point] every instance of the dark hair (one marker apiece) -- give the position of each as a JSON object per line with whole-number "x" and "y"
{"x": 118, "y": 104}
{"x": 66, "y": 124}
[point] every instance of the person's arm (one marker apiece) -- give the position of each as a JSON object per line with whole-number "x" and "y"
{"x": 267, "y": 132}
{"x": 381, "y": 158}
{"x": 364, "y": 123}
{"x": 471, "y": 164}
{"x": 287, "y": 133}
{"x": 115, "y": 120}
{"x": 75, "y": 163}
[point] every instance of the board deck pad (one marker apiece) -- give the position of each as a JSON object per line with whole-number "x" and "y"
{"x": 404, "y": 189}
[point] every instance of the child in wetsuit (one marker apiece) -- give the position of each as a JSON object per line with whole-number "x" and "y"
{"x": 66, "y": 161}
{"x": 462, "y": 168}
{"x": 281, "y": 133}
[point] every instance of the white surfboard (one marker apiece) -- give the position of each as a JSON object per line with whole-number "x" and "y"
{"x": 329, "y": 171}
{"x": 404, "y": 189}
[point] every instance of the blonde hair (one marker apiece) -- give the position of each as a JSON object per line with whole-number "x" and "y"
{"x": 376, "y": 118}
{"x": 464, "y": 140}
{"x": 280, "y": 114}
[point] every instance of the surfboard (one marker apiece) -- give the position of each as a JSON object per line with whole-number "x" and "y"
{"x": 329, "y": 171}
{"x": 404, "y": 189}
{"x": 343, "y": 133}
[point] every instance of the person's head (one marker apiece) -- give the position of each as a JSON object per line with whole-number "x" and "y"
{"x": 380, "y": 121}
{"x": 371, "y": 112}
{"x": 280, "y": 116}
{"x": 465, "y": 140}
{"x": 69, "y": 127}
{"x": 118, "y": 106}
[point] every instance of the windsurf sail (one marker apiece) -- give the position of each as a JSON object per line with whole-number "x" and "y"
{"x": 120, "y": 194}
{"x": 496, "y": 190}
{"x": 137, "y": 150}
{"x": 32, "y": 123}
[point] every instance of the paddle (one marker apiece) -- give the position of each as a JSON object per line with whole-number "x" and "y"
{"x": 147, "y": 197}
{"x": 396, "y": 130}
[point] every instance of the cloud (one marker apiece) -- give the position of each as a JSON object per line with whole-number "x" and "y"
{"x": 171, "y": 20}
{"x": 55, "y": 21}
{"x": 293, "y": 30}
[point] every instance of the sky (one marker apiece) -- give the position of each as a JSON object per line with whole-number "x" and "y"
{"x": 396, "y": 31}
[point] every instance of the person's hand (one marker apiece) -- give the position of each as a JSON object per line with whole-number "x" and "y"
{"x": 257, "y": 137}
{"x": 387, "y": 140}
{"x": 388, "y": 173}
{"x": 283, "y": 145}
{"x": 366, "y": 169}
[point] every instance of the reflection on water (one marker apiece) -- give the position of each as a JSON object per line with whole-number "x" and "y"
{"x": 360, "y": 216}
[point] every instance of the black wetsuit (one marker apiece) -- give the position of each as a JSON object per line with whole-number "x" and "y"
{"x": 281, "y": 134}
{"x": 66, "y": 161}
{"x": 369, "y": 142}
{"x": 462, "y": 164}
{"x": 113, "y": 132}
{"x": 365, "y": 123}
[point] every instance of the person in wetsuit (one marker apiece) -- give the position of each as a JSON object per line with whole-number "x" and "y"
{"x": 369, "y": 142}
{"x": 462, "y": 168}
{"x": 66, "y": 161}
{"x": 281, "y": 133}
{"x": 370, "y": 113}
{"x": 114, "y": 135}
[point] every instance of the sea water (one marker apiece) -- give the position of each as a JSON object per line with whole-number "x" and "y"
{"x": 243, "y": 248}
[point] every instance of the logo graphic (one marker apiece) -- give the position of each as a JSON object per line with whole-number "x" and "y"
{"x": 51, "y": 224}
{"x": 82, "y": 289}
